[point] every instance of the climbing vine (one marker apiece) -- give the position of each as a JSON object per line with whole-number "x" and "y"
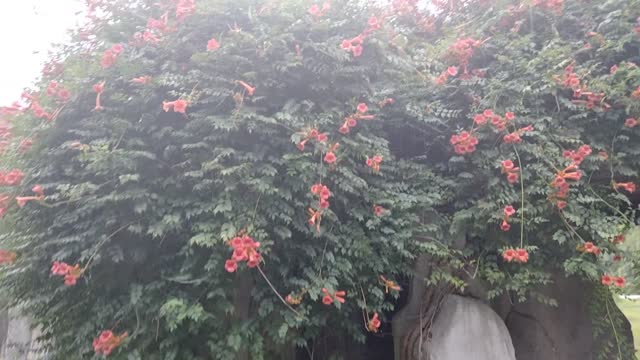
{"x": 210, "y": 177}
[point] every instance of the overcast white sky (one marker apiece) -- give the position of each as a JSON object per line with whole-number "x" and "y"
{"x": 27, "y": 28}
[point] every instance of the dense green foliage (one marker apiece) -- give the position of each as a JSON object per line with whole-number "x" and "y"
{"x": 145, "y": 200}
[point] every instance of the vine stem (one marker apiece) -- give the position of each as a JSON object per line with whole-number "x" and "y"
{"x": 573, "y": 230}
{"x": 613, "y": 143}
{"x": 609, "y": 205}
{"x": 264, "y": 276}
{"x": 365, "y": 313}
{"x": 102, "y": 242}
{"x": 521, "y": 199}
{"x": 606, "y": 202}
{"x": 324, "y": 250}
{"x": 613, "y": 327}
{"x": 255, "y": 209}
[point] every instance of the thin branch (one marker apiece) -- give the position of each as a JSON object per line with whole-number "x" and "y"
{"x": 255, "y": 210}
{"x": 521, "y": 199}
{"x": 103, "y": 241}
{"x": 573, "y": 230}
{"x": 365, "y": 314}
{"x": 277, "y": 293}
{"x": 613, "y": 327}
{"x": 607, "y": 203}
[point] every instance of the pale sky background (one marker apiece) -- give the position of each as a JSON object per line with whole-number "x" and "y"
{"x": 27, "y": 30}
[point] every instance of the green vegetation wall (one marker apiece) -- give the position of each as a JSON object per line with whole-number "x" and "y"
{"x": 181, "y": 154}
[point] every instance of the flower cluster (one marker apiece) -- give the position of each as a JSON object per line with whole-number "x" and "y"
{"x": 462, "y": 50}
{"x": 497, "y": 121}
{"x": 312, "y": 134}
{"x": 106, "y": 342}
{"x": 577, "y": 157}
{"x": 374, "y": 323}
{"x": 185, "y": 8}
{"x": 33, "y": 105}
{"x": 147, "y": 36}
{"x": 244, "y": 249}
{"x": 179, "y": 106}
{"x": 590, "y": 248}
{"x": 508, "y": 211}
{"x": 330, "y": 156}
{"x": 155, "y": 28}
{"x": 14, "y": 109}
{"x": 464, "y": 143}
{"x": 561, "y": 185}
{"x": 111, "y": 55}
{"x": 515, "y": 137}
{"x": 374, "y": 162}
{"x": 318, "y": 11}
{"x": 444, "y": 76}
{"x": 515, "y": 255}
{"x": 60, "y": 92}
{"x": 39, "y": 111}
{"x": 7, "y": 257}
{"x": 328, "y": 299}
{"x": 70, "y": 273}
{"x": 512, "y": 171}
{"x": 323, "y": 193}
{"x": 11, "y": 178}
{"x": 592, "y": 100}
{"x": 569, "y": 78}
{"x": 160, "y": 25}
{"x": 618, "y": 281}
{"x": 354, "y": 45}
{"x": 352, "y": 120}
{"x": 627, "y": 186}
{"x": 581, "y": 96}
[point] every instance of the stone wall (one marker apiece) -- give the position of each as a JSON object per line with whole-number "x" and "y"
{"x": 17, "y": 338}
